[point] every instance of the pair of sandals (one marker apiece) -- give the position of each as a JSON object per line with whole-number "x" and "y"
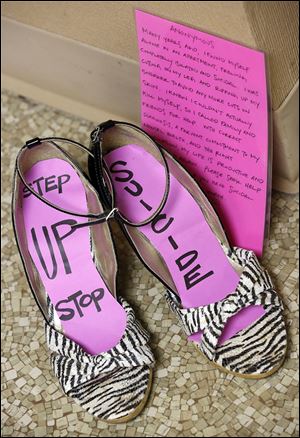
{"x": 223, "y": 299}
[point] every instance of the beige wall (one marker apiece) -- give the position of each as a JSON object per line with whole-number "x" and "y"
{"x": 110, "y": 25}
{"x": 108, "y": 29}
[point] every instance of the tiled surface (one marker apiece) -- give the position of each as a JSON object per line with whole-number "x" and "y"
{"x": 189, "y": 396}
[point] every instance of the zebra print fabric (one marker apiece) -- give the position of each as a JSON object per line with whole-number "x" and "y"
{"x": 110, "y": 385}
{"x": 256, "y": 350}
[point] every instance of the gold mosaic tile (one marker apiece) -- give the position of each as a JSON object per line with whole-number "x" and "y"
{"x": 189, "y": 396}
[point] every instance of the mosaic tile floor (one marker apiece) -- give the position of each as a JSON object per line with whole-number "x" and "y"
{"x": 189, "y": 396}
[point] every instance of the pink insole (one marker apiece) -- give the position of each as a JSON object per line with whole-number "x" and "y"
{"x": 88, "y": 312}
{"x": 198, "y": 265}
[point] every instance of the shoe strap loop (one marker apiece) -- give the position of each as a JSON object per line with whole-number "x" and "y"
{"x": 100, "y": 217}
{"x": 97, "y": 137}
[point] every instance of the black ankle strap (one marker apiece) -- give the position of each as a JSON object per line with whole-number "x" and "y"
{"x": 99, "y": 218}
{"x": 96, "y": 144}
{"x": 100, "y": 169}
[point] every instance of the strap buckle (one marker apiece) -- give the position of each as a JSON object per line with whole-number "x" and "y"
{"x": 95, "y": 135}
{"x": 112, "y": 213}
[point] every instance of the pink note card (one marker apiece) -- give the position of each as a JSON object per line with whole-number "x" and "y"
{"x": 205, "y": 99}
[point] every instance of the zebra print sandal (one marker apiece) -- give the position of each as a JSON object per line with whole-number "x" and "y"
{"x": 99, "y": 351}
{"x": 223, "y": 298}
{"x": 255, "y": 352}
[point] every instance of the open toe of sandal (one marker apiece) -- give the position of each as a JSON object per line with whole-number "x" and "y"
{"x": 114, "y": 385}
{"x": 99, "y": 351}
{"x": 222, "y": 296}
{"x": 254, "y": 352}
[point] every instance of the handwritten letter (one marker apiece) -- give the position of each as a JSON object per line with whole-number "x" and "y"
{"x": 205, "y": 99}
